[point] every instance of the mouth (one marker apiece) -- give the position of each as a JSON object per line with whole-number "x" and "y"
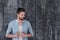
{"x": 22, "y": 18}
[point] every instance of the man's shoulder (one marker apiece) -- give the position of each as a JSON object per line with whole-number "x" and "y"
{"x": 27, "y": 21}
{"x": 13, "y": 21}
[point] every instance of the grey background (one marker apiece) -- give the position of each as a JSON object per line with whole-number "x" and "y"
{"x": 44, "y": 16}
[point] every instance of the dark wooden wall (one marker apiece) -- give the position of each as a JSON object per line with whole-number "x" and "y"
{"x": 44, "y": 16}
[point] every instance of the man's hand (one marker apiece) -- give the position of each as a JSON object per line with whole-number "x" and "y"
{"x": 24, "y": 35}
{"x": 17, "y": 34}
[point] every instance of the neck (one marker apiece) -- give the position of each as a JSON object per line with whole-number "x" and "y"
{"x": 20, "y": 21}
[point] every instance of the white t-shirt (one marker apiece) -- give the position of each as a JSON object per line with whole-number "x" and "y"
{"x": 20, "y": 31}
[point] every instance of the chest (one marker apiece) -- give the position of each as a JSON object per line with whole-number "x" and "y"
{"x": 15, "y": 27}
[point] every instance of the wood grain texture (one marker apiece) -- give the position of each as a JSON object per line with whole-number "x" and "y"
{"x": 44, "y": 16}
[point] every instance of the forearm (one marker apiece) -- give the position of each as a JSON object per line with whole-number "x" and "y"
{"x": 28, "y": 35}
{"x": 11, "y": 35}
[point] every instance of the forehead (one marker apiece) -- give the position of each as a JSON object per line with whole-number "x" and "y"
{"x": 22, "y": 13}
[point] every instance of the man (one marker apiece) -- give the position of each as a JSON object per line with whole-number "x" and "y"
{"x": 19, "y": 27}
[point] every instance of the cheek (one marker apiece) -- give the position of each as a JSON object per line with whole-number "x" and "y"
{"x": 19, "y": 16}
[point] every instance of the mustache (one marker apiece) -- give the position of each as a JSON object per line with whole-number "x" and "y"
{"x": 22, "y": 18}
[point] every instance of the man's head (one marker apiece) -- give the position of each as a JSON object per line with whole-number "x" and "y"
{"x": 21, "y": 13}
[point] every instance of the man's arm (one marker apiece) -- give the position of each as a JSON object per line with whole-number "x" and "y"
{"x": 26, "y": 35}
{"x": 9, "y": 29}
{"x": 30, "y": 31}
{"x": 12, "y": 35}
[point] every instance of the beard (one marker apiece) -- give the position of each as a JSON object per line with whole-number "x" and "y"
{"x": 21, "y": 18}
